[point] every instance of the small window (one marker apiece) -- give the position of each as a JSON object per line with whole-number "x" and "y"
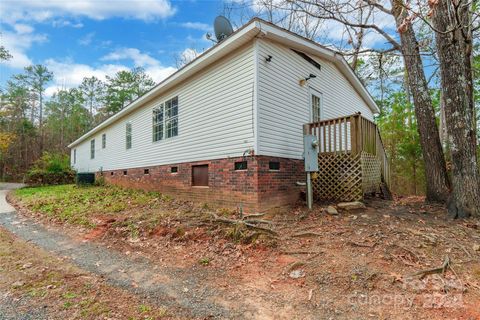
{"x": 171, "y": 118}
{"x": 128, "y": 135}
{"x": 124, "y": 172}
{"x": 74, "y": 155}
{"x": 111, "y": 173}
{"x": 92, "y": 149}
{"x": 165, "y": 120}
{"x": 200, "y": 176}
{"x": 316, "y": 107}
{"x": 174, "y": 169}
{"x": 104, "y": 141}
{"x": 241, "y": 165}
{"x": 274, "y": 165}
{"x": 157, "y": 123}
{"x": 146, "y": 171}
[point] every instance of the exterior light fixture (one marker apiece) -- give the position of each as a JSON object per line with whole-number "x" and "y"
{"x": 303, "y": 82}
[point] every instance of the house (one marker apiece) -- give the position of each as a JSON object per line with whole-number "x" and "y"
{"x": 227, "y": 128}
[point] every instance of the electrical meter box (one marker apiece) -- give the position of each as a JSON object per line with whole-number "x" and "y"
{"x": 310, "y": 147}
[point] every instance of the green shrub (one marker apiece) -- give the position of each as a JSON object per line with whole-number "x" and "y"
{"x": 51, "y": 168}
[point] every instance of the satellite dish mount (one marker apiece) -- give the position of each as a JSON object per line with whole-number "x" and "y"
{"x": 222, "y": 28}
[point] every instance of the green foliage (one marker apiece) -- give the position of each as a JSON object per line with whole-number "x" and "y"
{"x": 125, "y": 87}
{"x": 66, "y": 117}
{"x": 4, "y": 54}
{"x": 35, "y": 77}
{"x": 51, "y": 168}
{"x": 400, "y": 137}
{"x": 51, "y": 125}
{"x": 204, "y": 261}
{"x": 75, "y": 205}
{"x": 93, "y": 93}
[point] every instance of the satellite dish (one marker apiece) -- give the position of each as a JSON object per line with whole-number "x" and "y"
{"x": 222, "y": 27}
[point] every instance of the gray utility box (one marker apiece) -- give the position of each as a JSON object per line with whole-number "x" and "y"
{"x": 310, "y": 147}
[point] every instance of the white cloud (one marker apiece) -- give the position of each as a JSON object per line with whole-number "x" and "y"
{"x": 197, "y": 26}
{"x": 189, "y": 54}
{"x": 18, "y": 42}
{"x": 86, "y": 39}
{"x": 152, "y": 66}
{"x": 139, "y": 59}
{"x": 68, "y": 74}
{"x": 159, "y": 73}
{"x": 59, "y": 23}
{"x": 23, "y": 28}
{"x": 42, "y": 10}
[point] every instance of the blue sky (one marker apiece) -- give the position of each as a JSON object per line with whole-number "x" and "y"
{"x": 78, "y": 38}
{"x": 83, "y": 38}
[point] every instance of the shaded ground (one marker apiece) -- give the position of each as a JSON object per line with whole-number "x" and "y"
{"x": 354, "y": 265}
{"x": 37, "y": 285}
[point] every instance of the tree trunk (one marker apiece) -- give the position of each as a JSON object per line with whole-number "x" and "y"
{"x": 456, "y": 80}
{"x": 40, "y": 121}
{"x": 435, "y": 166}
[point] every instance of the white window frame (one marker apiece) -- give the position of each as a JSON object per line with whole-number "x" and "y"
{"x": 166, "y": 121}
{"x": 92, "y": 149}
{"x": 104, "y": 140}
{"x": 128, "y": 136}
{"x": 158, "y": 136}
{"x": 313, "y": 92}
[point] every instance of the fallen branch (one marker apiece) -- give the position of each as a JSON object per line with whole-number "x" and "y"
{"x": 365, "y": 245}
{"x": 257, "y": 221}
{"x": 244, "y": 223}
{"x": 306, "y": 234}
{"x": 255, "y": 215}
{"x": 302, "y": 252}
{"x": 442, "y": 269}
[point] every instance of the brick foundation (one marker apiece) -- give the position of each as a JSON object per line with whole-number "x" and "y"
{"x": 257, "y": 188}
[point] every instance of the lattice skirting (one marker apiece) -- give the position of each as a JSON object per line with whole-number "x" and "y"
{"x": 371, "y": 173}
{"x": 345, "y": 177}
{"x": 339, "y": 177}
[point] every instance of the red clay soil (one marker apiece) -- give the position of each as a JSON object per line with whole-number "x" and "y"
{"x": 359, "y": 264}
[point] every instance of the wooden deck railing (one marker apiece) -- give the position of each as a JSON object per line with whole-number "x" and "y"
{"x": 351, "y": 134}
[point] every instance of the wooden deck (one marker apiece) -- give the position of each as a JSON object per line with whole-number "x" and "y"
{"x": 352, "y": 159}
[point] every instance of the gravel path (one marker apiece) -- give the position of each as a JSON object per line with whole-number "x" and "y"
{"x": 184, "y": 290}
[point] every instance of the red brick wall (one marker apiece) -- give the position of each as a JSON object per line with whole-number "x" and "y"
{"x": 257, "y": 188}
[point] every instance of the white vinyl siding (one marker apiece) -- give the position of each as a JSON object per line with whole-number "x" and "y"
{"x": 215, "y": 120}
{"x": 284, "y": 105}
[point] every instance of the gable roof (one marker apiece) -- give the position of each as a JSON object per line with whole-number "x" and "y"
{"x": 254, "y": 28}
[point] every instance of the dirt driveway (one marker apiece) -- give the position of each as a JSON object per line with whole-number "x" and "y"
{"x": 178, "y": 289}
{"x": 377, "y": 263}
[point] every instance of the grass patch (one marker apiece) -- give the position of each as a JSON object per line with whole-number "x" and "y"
{"x": 76, "y": 205}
